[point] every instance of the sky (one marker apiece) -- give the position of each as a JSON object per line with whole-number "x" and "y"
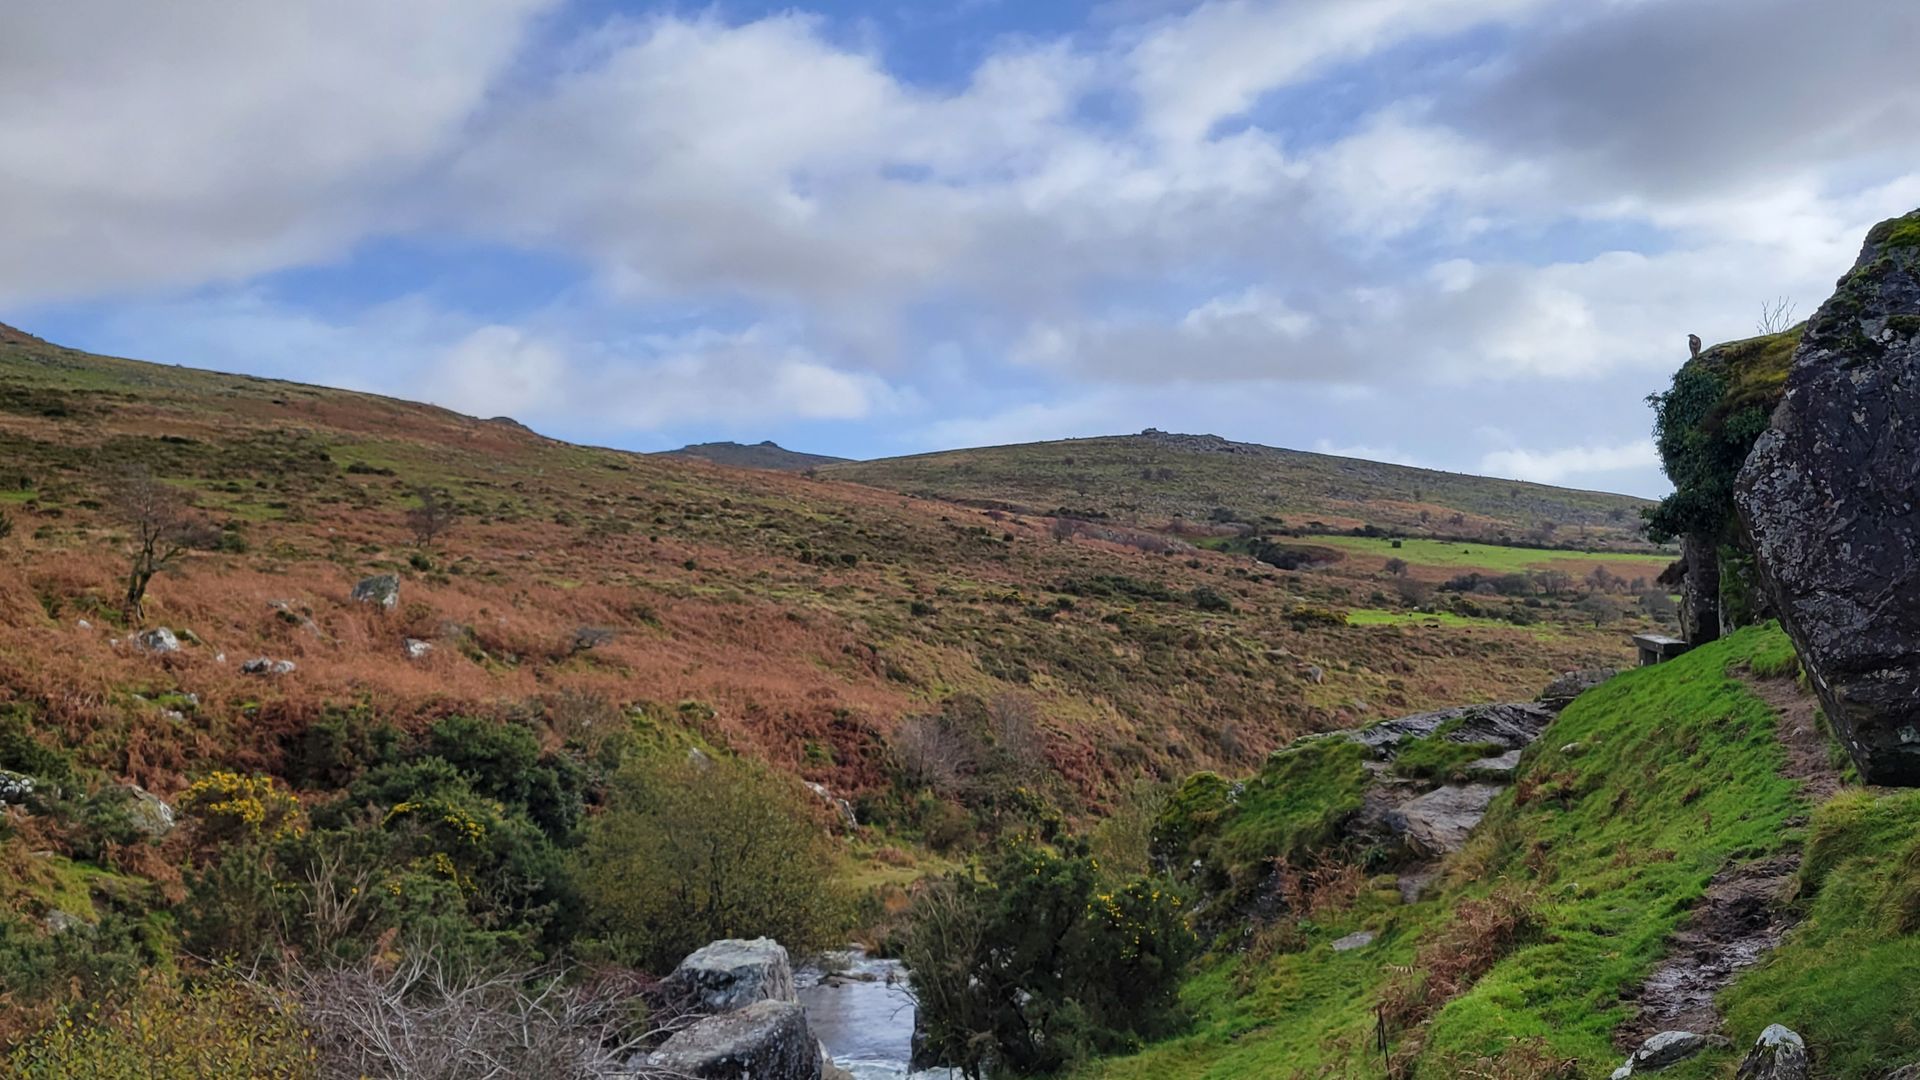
{"x": 1465, "y": 234}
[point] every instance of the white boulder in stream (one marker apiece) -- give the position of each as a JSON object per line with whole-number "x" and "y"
{"x": 733, "y": 974}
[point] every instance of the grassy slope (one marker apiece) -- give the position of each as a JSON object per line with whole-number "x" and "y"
{"x": 1637, "y": 795}
{"x": 1152, "y": 478}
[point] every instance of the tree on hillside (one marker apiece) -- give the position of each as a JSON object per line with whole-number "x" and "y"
{"x": 163, "y": 526}
{"x": 433, "y": 517}
{"x": 6, "y": 525}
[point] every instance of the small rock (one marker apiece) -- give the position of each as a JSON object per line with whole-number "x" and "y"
{"x": 1359, "y": 939}
{"x": 159, "y": 641}
{"x": 219, "y": 658}
{"x": 1779, "y": 1054}
{"x": 15, "y": 787}
{"x": 841, "y": 806}
{"x": 1499, "y": 767}
{"x": 83, "y": 624}
{"x": 150, "y": 813}
{"x": 1905, "y": 1072}
{"x": 1316, "y": 674}
{"x": 381, "y": 589}
{"x": 1572, "y": 749}
{"x": 417, "y": 649}
{"x": 1563, "y": 689}
{"x": 59, "y": 922}
{"x": 1667, "y": 1048}
{"x": 262, "y": 665}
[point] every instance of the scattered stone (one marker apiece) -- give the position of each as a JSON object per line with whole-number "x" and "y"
{"x": 1827, "y": 498}
{"x": 1573, "y": 749}
{"x": 83, "y": 624}
{"x": 1439, "y": 822}
{"x": 59, "y": 922}
{"x": 767, "y": 1040}
{"x": 382, "y": 590}
{"x": 417, "y": 649}
{"x": 1316, "y": 674}
{"x": 698, "y": 758}
{"x": 219, "y": 658}
{"x": 149, "y": 813}
{"x": 733, "y": 974}
{"x": 1359, "y": 939}
{"x": 15, "y": 787}
{"x": 262, "y": 665}
{"x": 1665, "y": 1049}
{"x": 1562, "y": 690}
{"x": 1779, "y": 1054}
{"x": 159, "y": 641}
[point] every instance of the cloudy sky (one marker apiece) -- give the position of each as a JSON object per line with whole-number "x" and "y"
{"x": 1471, "y": 234}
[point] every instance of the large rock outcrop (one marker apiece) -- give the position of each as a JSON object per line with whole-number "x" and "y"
{"x": 1829, "y": 500}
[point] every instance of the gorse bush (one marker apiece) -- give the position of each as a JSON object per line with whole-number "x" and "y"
{"x": 164, "y": 1031}
{"x": 1037, "y": 965}
{"x": 689, "y": 851}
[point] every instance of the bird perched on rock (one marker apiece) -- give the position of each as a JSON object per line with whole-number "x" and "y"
{"x": 1693, "y": 344}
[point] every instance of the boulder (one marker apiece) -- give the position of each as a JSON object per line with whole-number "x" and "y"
{"x": 1827, "y": 502}
{"x": 263, "y": 665}
{"x": 1779, "y": 1054}
{"x": 767, "y": 1040}
{"x": 382, "y": 590}
{"x": 732, "y": 974}
{"x": 159, "y": 641}
{"x": 1665, "y": 1049}
{"x": 1569, "y": 685}
{"x": 149, "y": 813}
{"x": 1439, "y": 822}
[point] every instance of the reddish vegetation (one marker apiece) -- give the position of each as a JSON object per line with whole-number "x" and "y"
{"x": 795, "y": 617}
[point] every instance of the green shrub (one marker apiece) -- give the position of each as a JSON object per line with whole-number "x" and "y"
{"x": 1035, "y": 966}
{"x": 688, "y": 852}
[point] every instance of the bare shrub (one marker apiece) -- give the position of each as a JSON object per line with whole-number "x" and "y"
{"x": 420, "y": 1020}
{"x": 932, "y": 752}
{"x": 1775, "y": 316}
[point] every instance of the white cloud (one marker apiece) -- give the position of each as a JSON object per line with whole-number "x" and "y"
{"x": 1569, "y": 463}
{"x": 155, "y": 145}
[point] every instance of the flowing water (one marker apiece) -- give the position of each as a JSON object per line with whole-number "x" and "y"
{"x": 860, "y": 1009}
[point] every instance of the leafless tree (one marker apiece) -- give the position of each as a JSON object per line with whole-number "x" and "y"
{"x": 1019, "y": 746}
{"x": 419, "y": 1019}
{"x": 1063, "y": 529}
{"x": 162, "y": 527}
{"x": 1776, "y": 316}
{"x": 433, "y": 517}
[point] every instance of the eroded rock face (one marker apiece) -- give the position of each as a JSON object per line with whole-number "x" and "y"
{"x": 1510, "y": 726}
{"x": 1439, "y": 822}
{"x": 732, "y": 974}
{"x": 1830, "y": 501}
{"x": 767, "y": 1040}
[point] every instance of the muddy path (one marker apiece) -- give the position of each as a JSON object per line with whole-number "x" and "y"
{"x": 1742, "y": 915}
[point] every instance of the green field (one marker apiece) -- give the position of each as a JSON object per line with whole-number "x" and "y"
{"x": 1451, "y": 555}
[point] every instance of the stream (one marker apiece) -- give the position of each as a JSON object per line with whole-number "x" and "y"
{"x": 860, "y": 1010}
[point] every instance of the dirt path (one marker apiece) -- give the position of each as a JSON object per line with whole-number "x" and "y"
{"x": 1741, "y": 917}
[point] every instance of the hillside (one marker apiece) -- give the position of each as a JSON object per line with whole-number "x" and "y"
{"x": 1155, "y": 477}
{"x": 760, "y": 455}
{"x": 571, "y": 621}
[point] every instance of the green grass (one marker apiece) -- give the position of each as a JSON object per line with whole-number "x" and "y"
{"x": 1380, "y": 617}
{"x": 1451, "y": 555}
{"x": 1638, "y": 794}
{"x": 1848, "y": 978}
{"x": 1296, "y": 804}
